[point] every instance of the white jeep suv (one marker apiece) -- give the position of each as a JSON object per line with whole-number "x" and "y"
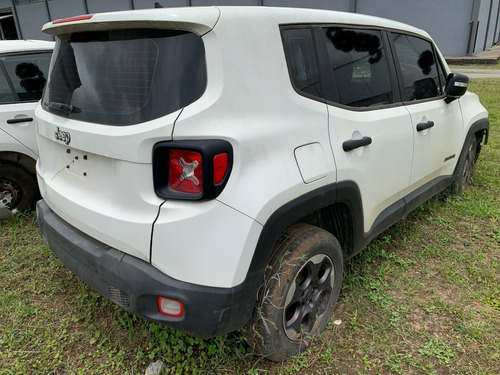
{"x": 211, "y": 168}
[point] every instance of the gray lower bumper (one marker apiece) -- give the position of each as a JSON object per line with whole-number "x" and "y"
{"x": 135, "y": 285}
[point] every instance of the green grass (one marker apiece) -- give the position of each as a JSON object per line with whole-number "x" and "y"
{"x": 424, "y": 298}
{"x": 475, "y": 66}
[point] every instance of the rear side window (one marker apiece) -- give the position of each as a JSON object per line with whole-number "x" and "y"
{"x": 359, "y": 65}
{"x": 125, "y": 77}
{"x": 302, "y": 62}
{"x": 25, "y": 76}
{"x": 418, "y": 65}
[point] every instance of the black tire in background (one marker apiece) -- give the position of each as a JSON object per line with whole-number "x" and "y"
{"x": 301, "y": 288}
{"x": 18, "y": 188}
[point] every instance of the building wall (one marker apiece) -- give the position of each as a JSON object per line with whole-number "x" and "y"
{"x": 492, "y": 35}
{"x": 449, "y": 26}
{"x": 487, "y": 24}
{"x": 145, "y": 4}
{"x": 453, "y": 24}
{"x": 197, "y": 3}
{"x": 483, "y": 19}
{"x": 65, "y": 8}
{"x": 342, "y": 5}
{"x": 99, "y": 6}
{"x": 5, "y": 4}
{"x": 31, "y": 18}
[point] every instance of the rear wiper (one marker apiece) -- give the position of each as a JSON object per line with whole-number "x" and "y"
{"x": 66, "y": 108}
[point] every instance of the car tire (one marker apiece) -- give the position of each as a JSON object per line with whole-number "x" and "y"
{"x": 18, "y": 188}
{"x": 465, "y": 164}
{"x": 301, "y": 288}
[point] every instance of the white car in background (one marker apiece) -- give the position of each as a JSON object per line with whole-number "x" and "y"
{"x": 23, "y": 72}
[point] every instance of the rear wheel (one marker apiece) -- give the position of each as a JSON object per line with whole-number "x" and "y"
{"x": 465, "y": 164}
{"x": 300, "y": 290}
{"x": 18, "y": 189}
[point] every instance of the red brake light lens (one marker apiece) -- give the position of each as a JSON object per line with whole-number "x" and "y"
{"x": 221, "y": 163}
{"x": 185, "y": 171}
{"x": 71, "y": 19}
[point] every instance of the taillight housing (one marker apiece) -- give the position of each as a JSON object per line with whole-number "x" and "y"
{"x": 193, "y": 170}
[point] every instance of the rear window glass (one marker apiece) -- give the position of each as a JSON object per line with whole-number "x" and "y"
{"x": 125, "y": 77}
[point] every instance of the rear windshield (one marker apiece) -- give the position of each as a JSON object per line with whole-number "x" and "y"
{"x": 125, "y": 77}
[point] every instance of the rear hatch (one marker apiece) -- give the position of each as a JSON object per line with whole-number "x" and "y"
{"x": 116, "y": 85}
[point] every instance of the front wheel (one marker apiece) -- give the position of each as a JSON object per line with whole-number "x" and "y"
{"x": 301, "y": 287}
{"x": 465, "y": 164}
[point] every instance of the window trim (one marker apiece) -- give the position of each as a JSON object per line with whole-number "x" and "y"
{"x": 441, "y": 68}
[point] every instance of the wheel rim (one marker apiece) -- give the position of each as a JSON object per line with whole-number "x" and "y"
{"x": 469, "y": 163}
{"x": 10, "y": 194}
{"x": 308, "y": 296}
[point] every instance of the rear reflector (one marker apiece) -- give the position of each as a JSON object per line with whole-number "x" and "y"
{"x": 71, "y": 19}
{"x": 221, "y": 162}
{"x": 170, "y": 307}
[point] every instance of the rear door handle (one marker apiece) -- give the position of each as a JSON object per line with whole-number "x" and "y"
{"x": 19, "y": 119}
{"x": 356, "y": 143}
{"x": 424, "y": 125}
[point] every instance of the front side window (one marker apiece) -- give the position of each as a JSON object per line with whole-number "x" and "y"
{"x": 418, "y": 65}
{"x": 125, "y": 77}
{"x": 359, "y": 64}
{"x": 27, "y": 74}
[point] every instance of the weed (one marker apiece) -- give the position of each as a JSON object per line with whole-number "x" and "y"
{"x": 438, "y": 349}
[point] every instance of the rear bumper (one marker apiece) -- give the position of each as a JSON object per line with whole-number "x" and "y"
{"x": 135, "y": 285}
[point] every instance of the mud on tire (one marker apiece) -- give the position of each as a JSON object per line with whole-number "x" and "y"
{"x": 465, "y": 164}
{"x": 301, "y": 287}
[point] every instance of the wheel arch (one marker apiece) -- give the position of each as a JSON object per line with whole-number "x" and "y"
{"x": 481, "y": 129}
{"x": 336, "y": 208}
{"x": 20, "y": 159}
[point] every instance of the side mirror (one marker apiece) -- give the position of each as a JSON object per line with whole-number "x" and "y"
{"x": 456, "y": 86}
